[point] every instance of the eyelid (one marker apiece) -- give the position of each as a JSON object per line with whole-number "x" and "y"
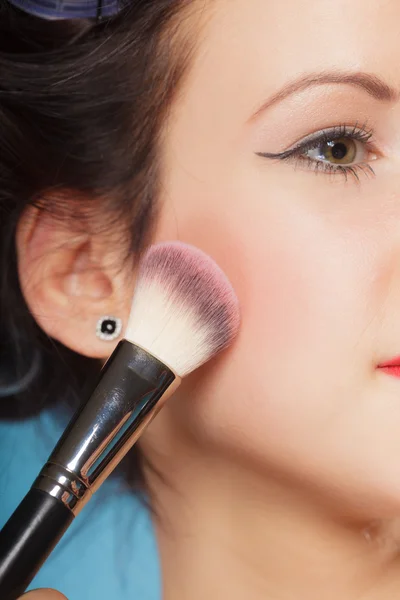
{"x": 362, "y": 133}
{"x": 297, "y": 153}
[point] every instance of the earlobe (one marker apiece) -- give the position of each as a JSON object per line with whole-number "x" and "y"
{"x": 66, "y": 282}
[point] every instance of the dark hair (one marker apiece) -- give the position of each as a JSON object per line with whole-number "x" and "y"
{"x": 82, "y": 106}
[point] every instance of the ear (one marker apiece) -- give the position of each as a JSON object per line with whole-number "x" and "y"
{"x": 70, "y": 279}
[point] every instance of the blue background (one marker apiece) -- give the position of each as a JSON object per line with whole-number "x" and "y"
{"x": 110, "y": 550}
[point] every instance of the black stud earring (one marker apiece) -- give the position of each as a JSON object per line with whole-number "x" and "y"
{"x": 108, "y": 328}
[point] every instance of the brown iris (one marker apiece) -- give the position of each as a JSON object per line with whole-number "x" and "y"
{"x": 341, "y": 151}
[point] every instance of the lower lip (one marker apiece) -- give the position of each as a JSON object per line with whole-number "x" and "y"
{"x": 393, "y": 371}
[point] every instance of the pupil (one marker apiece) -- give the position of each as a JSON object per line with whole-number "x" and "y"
{"x": 108, "y": 327}
{"x": 339, "y": 151}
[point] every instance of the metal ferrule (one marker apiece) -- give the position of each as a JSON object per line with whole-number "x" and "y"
{"x": 133, "y": 387}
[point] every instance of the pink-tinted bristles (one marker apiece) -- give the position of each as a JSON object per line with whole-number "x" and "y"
{"x": 184, "y": 310}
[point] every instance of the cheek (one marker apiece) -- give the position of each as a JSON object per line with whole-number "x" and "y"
{"x": 268, "y": 392}
{"x": 301, "y": 278}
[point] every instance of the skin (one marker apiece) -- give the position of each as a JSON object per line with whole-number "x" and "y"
{"x": 43, "y": 595}
{"x": 280, "y": 453}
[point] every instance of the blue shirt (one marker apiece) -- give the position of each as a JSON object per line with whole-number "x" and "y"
{"x": 109, "y": 552}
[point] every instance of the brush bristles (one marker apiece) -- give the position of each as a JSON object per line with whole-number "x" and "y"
{"x": 184, "y": 310}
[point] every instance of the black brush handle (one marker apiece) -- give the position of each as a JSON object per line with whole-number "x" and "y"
{"x": 27, "y": 539}
{"x": 132, "y": 388}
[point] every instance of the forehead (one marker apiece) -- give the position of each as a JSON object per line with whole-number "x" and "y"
{"x": 256, "y": 42}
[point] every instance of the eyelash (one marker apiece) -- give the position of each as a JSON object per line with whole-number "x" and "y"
{"x": 296, "y": 154}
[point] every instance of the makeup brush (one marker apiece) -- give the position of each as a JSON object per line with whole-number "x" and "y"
{"x": 184, "y": 312}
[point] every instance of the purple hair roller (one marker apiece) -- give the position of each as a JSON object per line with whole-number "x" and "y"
{"x": 69, "y": 9}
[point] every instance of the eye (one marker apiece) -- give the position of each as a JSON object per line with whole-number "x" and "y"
{"x": 343, "y": 151}
{"x": 338, "y": 150}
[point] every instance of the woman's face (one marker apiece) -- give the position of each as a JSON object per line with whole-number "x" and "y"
{"x": 310, "y": 239}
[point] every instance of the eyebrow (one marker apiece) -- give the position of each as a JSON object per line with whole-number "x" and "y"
{"x": 371, "y": 84}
